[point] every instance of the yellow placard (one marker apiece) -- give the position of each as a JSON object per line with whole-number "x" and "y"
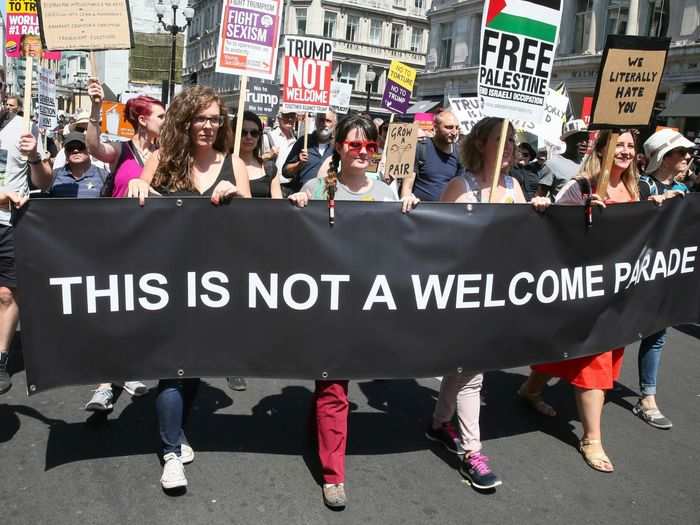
{"x": 402, "y": 74}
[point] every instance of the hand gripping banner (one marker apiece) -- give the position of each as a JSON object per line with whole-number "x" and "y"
{"x": 257, "y": 288}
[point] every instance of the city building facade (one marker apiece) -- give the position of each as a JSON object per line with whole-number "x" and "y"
{"x": 367, "y": 36}
{"x": 453, "y": 49}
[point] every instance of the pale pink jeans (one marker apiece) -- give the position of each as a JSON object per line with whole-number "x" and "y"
{"x": 461, "y": 392}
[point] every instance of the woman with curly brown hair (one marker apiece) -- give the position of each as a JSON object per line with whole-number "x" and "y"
{"x": 193, "y": 160}
{"x": 194, "y": 157}
{"x": 355, "y": 143}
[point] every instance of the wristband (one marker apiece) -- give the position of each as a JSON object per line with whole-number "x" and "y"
{"x": 96, "y": 121}
{"x": 35, "y": 161}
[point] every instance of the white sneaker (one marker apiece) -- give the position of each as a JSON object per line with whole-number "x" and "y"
{"x": 101, "y": 401}
{"x": 173, "y": 472}
{"x": 186, "y": 454}
{"x": 135, "y": 388}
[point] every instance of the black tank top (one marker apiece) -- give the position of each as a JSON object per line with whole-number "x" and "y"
{"x": 261, "y": 187}
{"x": 225, "y": 173}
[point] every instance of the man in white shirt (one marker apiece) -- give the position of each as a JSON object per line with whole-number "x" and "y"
{"x": 278, "y": 142}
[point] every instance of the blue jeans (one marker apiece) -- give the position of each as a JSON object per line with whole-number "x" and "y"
{"x": 648, "y": 361}
{"x": 173, "y": 404}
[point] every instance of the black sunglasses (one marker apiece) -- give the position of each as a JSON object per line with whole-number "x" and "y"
{"x": 251, "y": 132}
{"x": 72, "y": 146}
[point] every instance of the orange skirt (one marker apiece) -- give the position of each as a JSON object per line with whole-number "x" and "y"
{"x": 590, "y": 372}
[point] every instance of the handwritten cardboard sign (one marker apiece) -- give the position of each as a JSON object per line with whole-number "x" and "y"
{"x": 250, "y": 32}
{"x": 400, "y": 150}
{"x": 468, "y": 112}
{"x": 85, "y": 25}
{"x": 628, "y": 81}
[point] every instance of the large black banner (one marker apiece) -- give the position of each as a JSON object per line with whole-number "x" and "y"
{"x": 259, "y": 288}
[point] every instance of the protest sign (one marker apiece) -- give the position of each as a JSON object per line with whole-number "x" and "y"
{"x": 586, "y": 107}
{"x": 432, "y": 277}
{"x": 47, "y": 99}
{"x": 554, "y": 117}
{"x": 400, "y": 150}
{"x": 425, "y": 122}
{"x": 341, "y": 92}
{"x": 398, "y": 88}
{"x": 85, "y": 25}
{"x": 263, "y": 98}
{"x": 468, "y": 112}
{"x": 628, "y": 81}
{"x": 308, "y": 65}
{"x": 517, "y": 55}
{"x": 250, "y": 31}
{"x": 113, "y": 121}
{"x": 22, "y": 31}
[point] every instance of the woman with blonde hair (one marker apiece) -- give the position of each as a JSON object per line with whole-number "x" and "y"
{"x": 193, "y": 160}
{"x": 461, "y": 392}
{"x": 591, "y": 375}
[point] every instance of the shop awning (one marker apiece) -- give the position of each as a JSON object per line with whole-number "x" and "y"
{"x": 683, "y": 106}
{"x": 423, "y": 106}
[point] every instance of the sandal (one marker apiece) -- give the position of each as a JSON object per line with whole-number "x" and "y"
{"x": 594, "y": 459}
{"x": 536, "y": 401}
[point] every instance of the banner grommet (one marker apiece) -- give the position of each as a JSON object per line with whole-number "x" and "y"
{"x": 324, "y": 375}
{"x": 180, "y": 372}
{"x": 178, "y": 203}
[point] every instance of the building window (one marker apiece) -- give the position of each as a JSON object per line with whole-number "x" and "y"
{"x": 351, "y": 28}
{"x": 584, "y": 13}
{"x": 83, "y": 63}
{"x": 301, "y": 20}
{"x": 417, "y": 40}
{"x": 419, "y": 4}
{"x": 329, "y": 19}
{"x": 396, "y": 34}
{"x": 618, "y": 12}
{"x": 375, "y": 84}
{"x": 658, "y": 18}
{"x": 445, "y": 51}
{"x": 375, "y": 32}
{"x": 401, "y": 4}
{"x": 348, "y": 73}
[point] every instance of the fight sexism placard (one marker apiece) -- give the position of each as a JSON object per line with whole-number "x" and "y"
{"x": 250, "y": 32}
{"x": 308, "y": 64}
{"x": 517, "y": 54}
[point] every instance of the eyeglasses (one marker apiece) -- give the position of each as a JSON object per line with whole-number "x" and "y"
{"x": 355, "y": 146}
{"x": 214, "y": 122}
{"x": 681, "y": 151}
{"x": 289, "y": 118}
{"x": 255, "y": 133}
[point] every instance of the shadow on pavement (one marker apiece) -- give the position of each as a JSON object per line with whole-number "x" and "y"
{"x": 279, "y": 424}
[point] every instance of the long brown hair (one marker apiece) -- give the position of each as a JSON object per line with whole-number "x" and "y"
{"x": 173, "y": 172}
{"x": 592, "y": 165}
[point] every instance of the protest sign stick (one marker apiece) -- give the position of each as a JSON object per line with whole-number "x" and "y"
{"x": 93, "y": 72}
{"x": 499, "y": 159}
{"x": 306, "y": 131}
{"x": 608, "y": 157}
{"x": 27, "y": 106}
{"x": 242, "y": 95}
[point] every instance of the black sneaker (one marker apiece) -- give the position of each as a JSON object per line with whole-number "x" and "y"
{"x": 448, "y": 436}
{"x": 5, "y": 382}
{"x": 475, "y": 468}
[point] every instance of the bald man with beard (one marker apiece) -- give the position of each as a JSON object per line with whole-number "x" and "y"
{"x": 437, "y": 160}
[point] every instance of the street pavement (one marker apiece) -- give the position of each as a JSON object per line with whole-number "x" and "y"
{"x": 255, "y": 462}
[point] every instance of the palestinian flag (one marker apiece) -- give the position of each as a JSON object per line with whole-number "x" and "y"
{"x": 532, "y": 18}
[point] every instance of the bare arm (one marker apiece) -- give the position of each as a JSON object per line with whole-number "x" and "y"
{"x": 407, "y": 185}
{"x": 241, "y": 175}
{"x": 106, "y": 152}
{"x": 40, "y": 170}
{"x": 150, "y": 167}
{"x": 275, "y": 187}
{"x": 455, "y": 192}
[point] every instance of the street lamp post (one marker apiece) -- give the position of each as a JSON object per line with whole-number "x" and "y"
{"x": 369, "y": 79}
{"x": 174, "y": 30}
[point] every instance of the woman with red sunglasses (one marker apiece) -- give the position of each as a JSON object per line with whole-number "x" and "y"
{"x": 356, "y": 142}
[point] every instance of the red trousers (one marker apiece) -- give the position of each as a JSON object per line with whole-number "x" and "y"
{"x": 332, "y": 409}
